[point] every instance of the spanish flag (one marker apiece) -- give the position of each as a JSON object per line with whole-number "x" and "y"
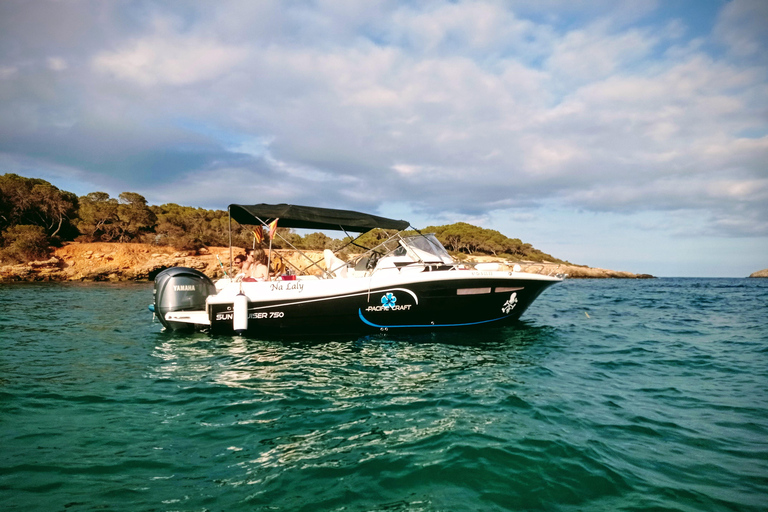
{"x": 272, "y": 228}
{"x": 258, "y": 234}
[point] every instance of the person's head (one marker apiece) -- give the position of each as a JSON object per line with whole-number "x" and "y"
{"x": 259, "y": 255}
{"x": 239, "y": 260}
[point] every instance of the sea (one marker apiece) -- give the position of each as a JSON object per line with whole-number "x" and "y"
{"x": 608, "y": 395}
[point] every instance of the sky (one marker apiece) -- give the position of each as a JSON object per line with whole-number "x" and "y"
{"x": 630, "y": 135}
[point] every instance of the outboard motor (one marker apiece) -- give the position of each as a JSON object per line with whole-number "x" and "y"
{"x": 181, "y": 289}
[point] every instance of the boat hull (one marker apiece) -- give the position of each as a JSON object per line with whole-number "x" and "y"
{"x": 449, "y": 301}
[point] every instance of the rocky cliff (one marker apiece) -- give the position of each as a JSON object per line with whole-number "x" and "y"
{"x": 760, "y": 273}
{"x": 140, "y": 262}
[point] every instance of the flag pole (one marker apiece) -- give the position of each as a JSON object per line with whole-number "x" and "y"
{"x": 272, "y": 230}
{"x": 229, "y": 214}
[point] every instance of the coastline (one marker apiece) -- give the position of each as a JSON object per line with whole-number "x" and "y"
{"x": 115, "y": 262}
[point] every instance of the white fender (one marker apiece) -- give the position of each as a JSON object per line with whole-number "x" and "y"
{"x": 240, "y": 313}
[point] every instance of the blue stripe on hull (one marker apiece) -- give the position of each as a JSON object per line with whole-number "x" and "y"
{"x": 368, "y": 322}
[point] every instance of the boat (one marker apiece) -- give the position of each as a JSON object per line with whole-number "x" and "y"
{"x": 407, "y": 282}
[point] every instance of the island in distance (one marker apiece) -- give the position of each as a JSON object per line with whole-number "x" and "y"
{"x": 110, "y": 261}
{"x": 48, "y": 234}
{"x": 760, "y": 273}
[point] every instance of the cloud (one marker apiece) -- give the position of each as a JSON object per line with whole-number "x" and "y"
{"x": 57, "y": 64}
{"x": 170, "y": 59}
{"x": 594, "y": 53}
{"x": 466, "y": 28}
{"x": 460, "y": 107}
{"x": 7, "y": 72}
{"x": 743, "y": 26}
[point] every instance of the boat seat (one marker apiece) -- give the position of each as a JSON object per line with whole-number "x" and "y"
{"x": 362, "y": 264}
{"x": 334, "y": 264}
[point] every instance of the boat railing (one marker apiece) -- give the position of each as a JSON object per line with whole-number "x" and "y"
{"x": 424, "y": 253}
{"x": 335, "y": 265}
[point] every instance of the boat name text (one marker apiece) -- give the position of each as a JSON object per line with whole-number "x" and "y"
{"x": 287, "y": 285}
{"x": 251, "y": 316}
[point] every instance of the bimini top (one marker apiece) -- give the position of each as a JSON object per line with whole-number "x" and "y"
{"x": 309, "y": 217}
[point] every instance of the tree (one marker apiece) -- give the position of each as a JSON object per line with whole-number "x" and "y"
{"x": 28, "y": 202}
{"x": 24, "y": 243}
{"x": 316, "y": 241}
{"x": 286, "y": 238}
{"x": 133, "y": 216}
{"x": 494, "y": 243}
{"x": 54, "y": 208}
{"x": 36, "y": 202}
{"x": 468, "y": 239}
{"x": 98, "y": 214}
{"x": 185, "y": 227}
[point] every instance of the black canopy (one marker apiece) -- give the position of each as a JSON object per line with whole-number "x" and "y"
{"x": 308, "y": 217}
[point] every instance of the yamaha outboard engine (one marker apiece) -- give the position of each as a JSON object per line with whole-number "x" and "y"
{"x": 181, "y": 289}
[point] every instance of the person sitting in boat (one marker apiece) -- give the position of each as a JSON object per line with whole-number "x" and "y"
{"x": 255, "y": 268}
{"x": 238, "y": 263}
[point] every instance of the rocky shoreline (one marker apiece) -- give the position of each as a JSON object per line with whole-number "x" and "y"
{"x": 116, "y": 262}
{"x": 760, "y": 273}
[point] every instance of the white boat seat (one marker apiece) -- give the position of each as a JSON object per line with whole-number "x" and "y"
{"x": 335, "y": 265}
{"x": 362, "y": 264}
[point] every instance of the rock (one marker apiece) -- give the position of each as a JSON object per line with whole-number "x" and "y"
{"x": 577, "y": 272}
{"x": 16, "y": 273}
{"x": 53, "y": 262}
{"x": 195, "y": 264}
{"x": 760, "y": 273}
{"x": 100, "y": 273}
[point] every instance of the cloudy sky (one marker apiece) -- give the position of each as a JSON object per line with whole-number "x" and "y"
{"x": 628, "y": 135}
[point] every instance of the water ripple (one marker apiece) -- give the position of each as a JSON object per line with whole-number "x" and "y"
{"x": 656, "y": 399}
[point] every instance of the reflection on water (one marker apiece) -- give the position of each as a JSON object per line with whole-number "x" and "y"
{"x": 350, "y": 367}
{"x": 324, "y": 404}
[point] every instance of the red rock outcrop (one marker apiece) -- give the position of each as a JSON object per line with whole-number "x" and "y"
{"x": 102, "y": 261}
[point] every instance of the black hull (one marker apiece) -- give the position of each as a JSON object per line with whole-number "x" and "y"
{"x": 455, "y": 304}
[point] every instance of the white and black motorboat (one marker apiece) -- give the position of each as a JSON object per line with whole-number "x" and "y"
{"x": 407, "y": 282}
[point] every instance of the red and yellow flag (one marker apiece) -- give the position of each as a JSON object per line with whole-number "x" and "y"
{"x": 272, "y": 228}
{"x": 258, "y": 234}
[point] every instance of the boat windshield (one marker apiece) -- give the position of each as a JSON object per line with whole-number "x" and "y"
{"x": 426, "y": 248}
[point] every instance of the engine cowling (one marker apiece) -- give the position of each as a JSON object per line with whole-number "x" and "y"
{"x": 181, "y": 289}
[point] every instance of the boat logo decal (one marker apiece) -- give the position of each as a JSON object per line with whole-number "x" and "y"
{"x": 510, "y": 304}
{"x": 388, "y": 300}
{"x": 389, "y": 303}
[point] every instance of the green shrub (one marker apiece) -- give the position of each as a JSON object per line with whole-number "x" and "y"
{"x": 23, "y": 243}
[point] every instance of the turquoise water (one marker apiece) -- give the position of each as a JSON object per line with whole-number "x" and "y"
{"x": 608, "y": 395}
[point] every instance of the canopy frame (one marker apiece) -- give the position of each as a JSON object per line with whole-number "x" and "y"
{"x": 308, "y": 217}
